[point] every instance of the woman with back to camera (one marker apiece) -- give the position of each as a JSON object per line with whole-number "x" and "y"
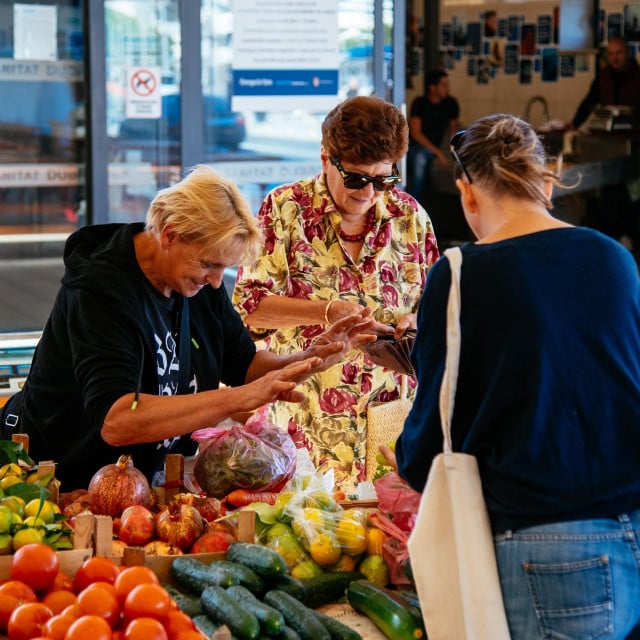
{"x": 548, "y": 395}
{"x": 340, "y": 242}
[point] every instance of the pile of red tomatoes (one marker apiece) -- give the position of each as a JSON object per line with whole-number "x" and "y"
{"x": 101, "y": 602}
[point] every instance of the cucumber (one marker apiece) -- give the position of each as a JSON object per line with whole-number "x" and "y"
{"x": 297, "y": 615}
{"x": 288, "y": 583}
{"x": 205, "y": 625}
{"x": 223, "y": 608}
{"x": 247, "y": 577}
{"x": 289, "y": 634}
{"x": 264, "y": 561}
{"x": 397, "y": 619}
{"x": 337, "y": 629}
{"x": 194, "y": 576}
{"x": 270, "y": 619}
{"x": 328, "y": 587}
{"x": 187, "y": 602}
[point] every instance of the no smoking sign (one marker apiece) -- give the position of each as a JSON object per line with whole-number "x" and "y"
{"x": 143, "y": 92}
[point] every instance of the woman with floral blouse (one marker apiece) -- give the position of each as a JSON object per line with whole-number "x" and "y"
{"x": 343, "y": 240}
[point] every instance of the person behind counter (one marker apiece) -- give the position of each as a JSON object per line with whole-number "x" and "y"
{"x": 548, "y": 394}
{"x": 433, "y": 119}
{"x": 142, "y": 334}
{"x": 616, "y": 83}
{"x": 340, "y": 242}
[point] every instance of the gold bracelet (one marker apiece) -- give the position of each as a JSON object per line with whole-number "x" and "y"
{"x": 326, "y": 310}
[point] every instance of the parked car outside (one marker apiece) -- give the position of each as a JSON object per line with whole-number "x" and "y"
{"x": 224, "y": 130}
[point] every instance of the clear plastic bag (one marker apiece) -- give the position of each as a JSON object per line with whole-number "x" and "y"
{"x": 258, "y": 456}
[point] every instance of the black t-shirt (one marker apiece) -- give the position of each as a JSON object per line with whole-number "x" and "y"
{"x": 435, "y": 117}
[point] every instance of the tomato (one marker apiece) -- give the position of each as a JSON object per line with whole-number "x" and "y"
{"x": 177, "y": 621}
{"x": 27, "y": 620}
{"x": 7, "y": 604}
{"x": 36, "y": 565}
{"x": 56, "y": 626}
{"x": 145, "y": 629}
{"x": 89, "y": 628}
{"x": 188, "y": 635}
{"x": 147, "y": 600}
{"x": 94, "y": 569}
{"x": 131, "y": 577}
{"x": 20, "y": 590}
{"x": 63, "y": 582}
{"x": 96, "y": 600}
{"x": 58, "y": 600}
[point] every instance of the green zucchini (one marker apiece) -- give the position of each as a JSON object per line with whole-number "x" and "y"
{"x": 223, "y": 608}
{"x": 328, "y": 587}
{"x": 297, "y": 615}
{"x": 410, "y": 596}
{"x": 194, "y": 576}
{"x": 246, "y": 577}
{"x": 264, "y": 561}
{"x": 396, "y": 618}
{"x": 288, "y": 583}
{"x": 187, "y": 602}
{"x": 337, "y": 629}
{"x": 270, "y": 619}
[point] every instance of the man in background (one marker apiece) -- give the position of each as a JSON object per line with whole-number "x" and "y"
{"x": 616, "y": 83}
{"x": 433, "y": 119}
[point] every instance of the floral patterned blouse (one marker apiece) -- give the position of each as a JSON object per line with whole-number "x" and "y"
{"x": 303, "y": 257}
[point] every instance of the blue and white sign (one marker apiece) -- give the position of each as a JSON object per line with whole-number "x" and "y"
{"x": 285, "y": 55}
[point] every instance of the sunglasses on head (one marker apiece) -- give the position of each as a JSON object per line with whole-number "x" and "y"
{"x": 353, "y": 180}
{"x": 454, "y": 143}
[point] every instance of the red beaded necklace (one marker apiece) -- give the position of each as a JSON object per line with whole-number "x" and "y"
{"x": 371, "y": 219}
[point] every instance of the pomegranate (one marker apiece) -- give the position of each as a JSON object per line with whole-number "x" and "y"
{"x": 212, "y": 542}
{"x": 137, "y": 526}
{"x": 117, "y": 486}
{"x": 179, "y": 525}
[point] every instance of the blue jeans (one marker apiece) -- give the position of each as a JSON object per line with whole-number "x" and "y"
{"x": 419, "y": 162}
{"x": 572, "y": 580}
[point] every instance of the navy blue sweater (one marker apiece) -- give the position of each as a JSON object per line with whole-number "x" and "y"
{"x": 548, "y": 394}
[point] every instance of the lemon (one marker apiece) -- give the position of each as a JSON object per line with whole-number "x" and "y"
{"x": 345, "y": 563}
{"x": 6, "y": 544}
{"x": 10, "y": 469}
{"x": 355, "y": 514}
{"x": 45, "y": 510}
{"x": 375, "y": 540}
{"x": 352, "y": 536}
{"x": 15, "y": 503}
{"x": 307, "y": 523}
{"x": 34, "y": 523}
{"x": 325, "y": 549}
{"x": 320, "y": 500}
{"x": 9, "y": 481}
{"x": 281, "y": 504}
{"x": 306, "y": 569}
{"x": 27, "y": 536}
{"x": 375, "y": 569}
{"x": 6, "y": 519}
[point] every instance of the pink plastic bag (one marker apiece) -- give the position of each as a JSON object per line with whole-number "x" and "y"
{"x": 258, "y": 456}
{"x": 398, "y": 507}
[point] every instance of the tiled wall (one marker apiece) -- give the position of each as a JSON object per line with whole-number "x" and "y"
{"x": 499, "y": 72}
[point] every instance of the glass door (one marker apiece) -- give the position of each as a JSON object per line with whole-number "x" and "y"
{"x": 42, "y": 136}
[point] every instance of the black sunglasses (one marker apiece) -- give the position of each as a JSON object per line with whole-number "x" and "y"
{"x": 454, "y": 143}
{"x": 353, "y": 180}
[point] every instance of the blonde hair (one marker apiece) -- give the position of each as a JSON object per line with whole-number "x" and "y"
{"x": 503, "y": 154}
{"x": 206, "y": 209}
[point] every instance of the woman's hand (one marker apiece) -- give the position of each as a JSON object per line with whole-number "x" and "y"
{"x": 389, "y": 456}
{"x": 406, "y": 323}
{"x": 342, "y": 336}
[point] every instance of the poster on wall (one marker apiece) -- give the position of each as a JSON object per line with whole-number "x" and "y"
{"x": 545, "y": 26}
{"x": 614, "y": 25}
{"x": 34, "y": 32}
{"x": 511, "y": 58}
{"x": 284, "y": 56}
{"x": 549, "y": 65}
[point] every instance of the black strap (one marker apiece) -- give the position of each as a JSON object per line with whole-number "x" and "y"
{"x": 184, "y": 349}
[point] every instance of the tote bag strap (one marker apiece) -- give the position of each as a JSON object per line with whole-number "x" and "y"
{"x": 450, "y": 375}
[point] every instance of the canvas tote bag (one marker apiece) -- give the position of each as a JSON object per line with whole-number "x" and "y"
{"x": 451, "y": 545}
